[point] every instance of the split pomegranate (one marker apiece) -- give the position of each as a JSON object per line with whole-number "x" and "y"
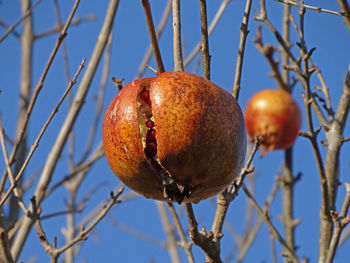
{"x": 175, "y": 137}
{"x": 275, "y": 115}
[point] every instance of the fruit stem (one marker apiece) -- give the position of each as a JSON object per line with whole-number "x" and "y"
{"x": 153, "y": 36}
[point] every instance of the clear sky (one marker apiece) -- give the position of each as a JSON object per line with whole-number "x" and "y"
{"x": 109, "y": 243}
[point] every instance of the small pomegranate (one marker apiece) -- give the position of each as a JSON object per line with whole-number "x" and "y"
{"x": 275, "y": 115}
{"x": 174, "y": 137}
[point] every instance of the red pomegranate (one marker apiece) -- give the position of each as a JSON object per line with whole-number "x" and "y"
{"x": 275, "y": 115}
{"x": 175, "y": 137}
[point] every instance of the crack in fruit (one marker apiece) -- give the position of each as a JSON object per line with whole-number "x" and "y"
{"x": 171, "y": 189}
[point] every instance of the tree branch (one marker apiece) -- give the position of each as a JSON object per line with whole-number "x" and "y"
{"x": 153, "y": 36}
{"x": 241, "y": 48}
{"x": 27, "y": 13}
{"x": 205, "y": 41}
{"x": 160, "y": 30}
{"x": 344, "y": 7}
{"x": 290, "y": 253}
{"x": 184, "y": 243}
{"x": 178, "y": 61}
{"x": 212, "y": 25}
{"x": 57, "y": 148}
{"x": 170, "y": 233}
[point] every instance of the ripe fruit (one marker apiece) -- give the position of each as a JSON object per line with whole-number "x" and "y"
{"x": 275, "y": 115}
{"x": 174, "y": 137}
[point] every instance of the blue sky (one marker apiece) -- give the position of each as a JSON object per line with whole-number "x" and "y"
{"x": 108, "y": 243}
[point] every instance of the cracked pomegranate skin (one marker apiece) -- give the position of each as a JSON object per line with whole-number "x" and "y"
{"x": 275, "y": 115}
{"x": 199, "y": 130}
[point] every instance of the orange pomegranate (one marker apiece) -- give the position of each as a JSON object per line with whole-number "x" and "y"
{"x": 275, "y": 115}
{"x": 174, "y": 137}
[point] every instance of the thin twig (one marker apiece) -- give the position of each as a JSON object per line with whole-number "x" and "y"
{"x": 268, "y": 51}
{"x": 202, "y": 238}
{"x": 334, "y": 141}
{"x": 274, "y": 231}
{"x": 178, "y": 61}
{"x": 241, "y": 48}
{"x": 9, "y": 170}
{"x": 288, "y": 180}
{"x": 76, "y": 22}
{"x": 40, "y": 84}
{"x": 82, "y": 235}
{"x": 7, "y": 27}
{"x": 205, "y": 41}
{"x": 340, "y": 222}
{"x": 251, "y": 235}
{"x": 99, "y": 100}
{"x": 304, "y": 78}
{"x": 226, "y": 197}
{"x": 315, "y": 8}
{"x": 56, "y": 252}
{"x": 4, "y": 247}
{"x": 234, "y": 187}
{"x": 325, "y": 91}
{"x": 59, "y": 27}
{"x": 170, "y": 232}
{"x": 273, "y": 247}
{"x": 137, "y": 234}
{"x": 153, "y": 36}
{"x": 212, "y": 25}
{"x": 66, "y": 127}
{"x": 344, "y": 6}
{"x": 84, "y": 167}
{"x": 41, "y": 133}
{"x": 27, "y": 13}
{"x": 25, "y": 91}
{"x": 184, "y": 243}
{"x": 160, "y": 29}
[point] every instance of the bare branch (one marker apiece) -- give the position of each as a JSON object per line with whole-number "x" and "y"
{"x": 137, "y": 234}
{"x": 26, "y": 14}
{"x": 184, "y": 243}
{"x": 290, "y": 253}
{"x": 251, "y": 235}
{"x": 202, "y": 238}
{"x": 160, "y": 29}
{"x": 339, "y": 224}
{"x": 241, "y": 48}
{"x": 39, "y": 86}
{"x": 56, "y": 252}
{"x": 178, "y": 61}
{"x": 76, "y": 22}
{"x": 41, "y": 133}
{"x": 99, "y": 100}
{"x": 325, "y": 91}
{"x": 17, "y": 194}
{"x": 267, "y": 51}
{"x": 212, "y": 25}
{"x": 318, "y": 9}
{"x": 84, "y": 167}
{"x": 344, "y": 6}
{"x": 5, "y": 252}
{"x": 153, "y": 36}
{"x": 7, "y": 27}
{"x": 82, "y": 235}
{"x": 334, "y": 141}
{"x": 205, "y": 42}
{"x": 170, "y": 233}
{"x": 57, "y": 148}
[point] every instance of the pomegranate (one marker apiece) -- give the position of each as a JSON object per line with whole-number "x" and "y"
{"x": 174, "y": 137}
{"x": 275, "y": 115}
